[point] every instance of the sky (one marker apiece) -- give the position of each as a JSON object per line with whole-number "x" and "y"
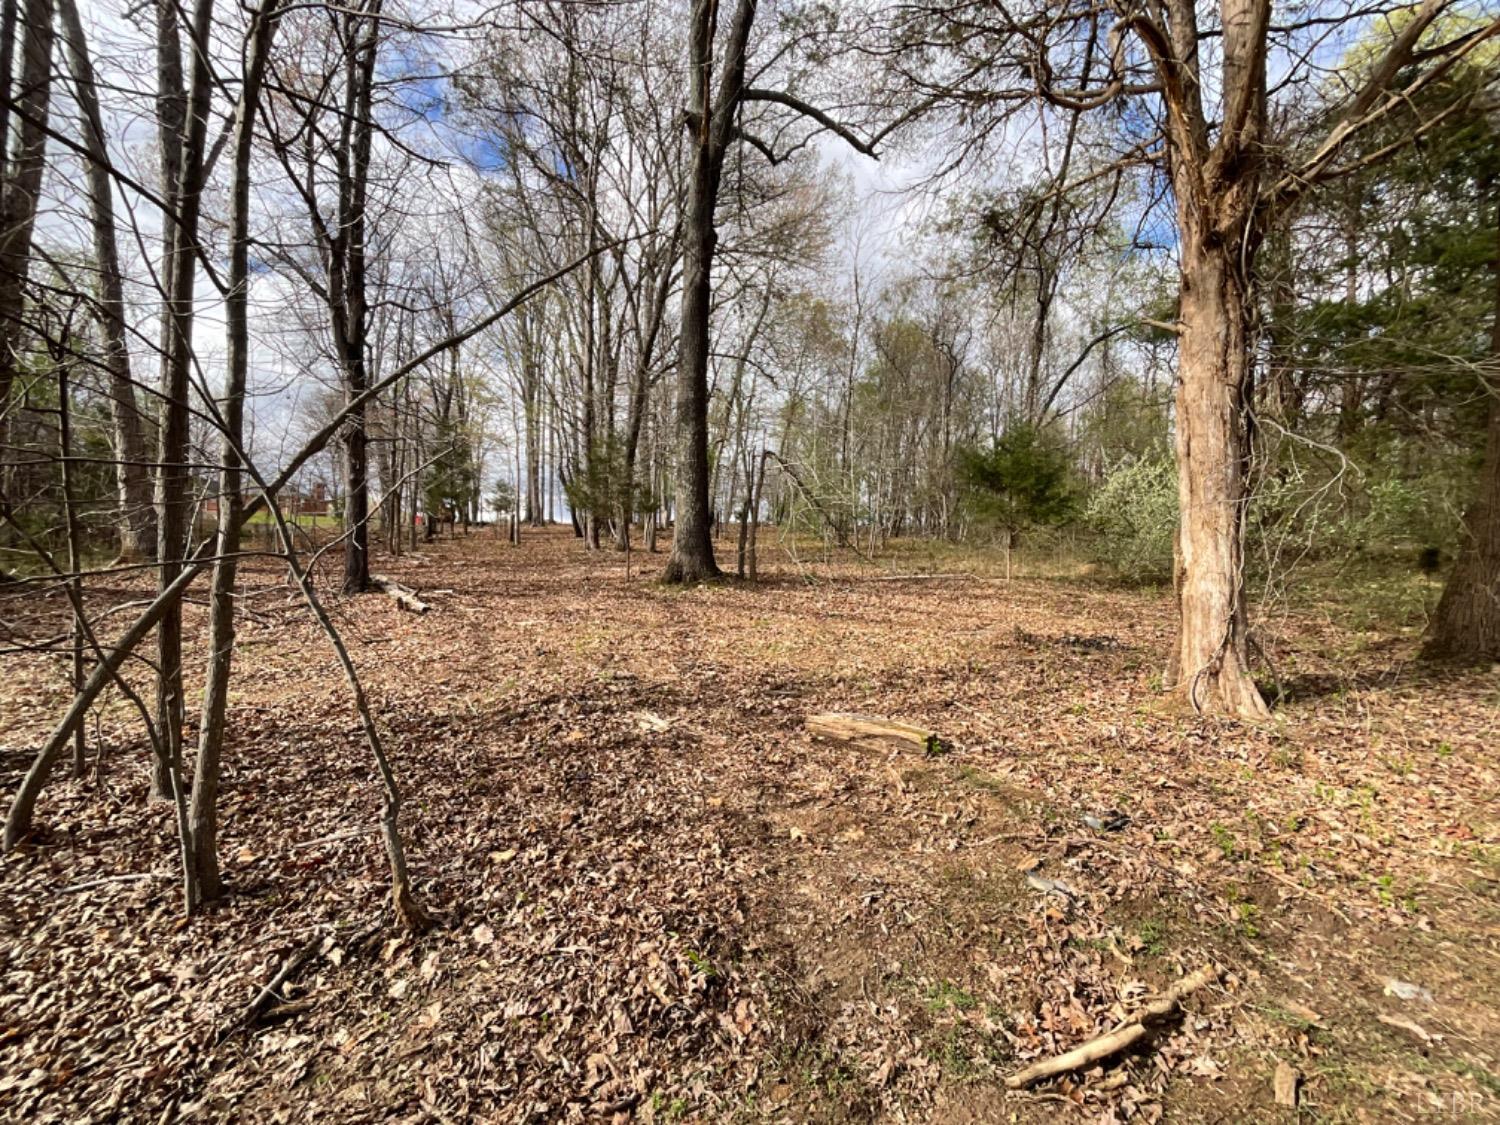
{"x": 880, "y": 235}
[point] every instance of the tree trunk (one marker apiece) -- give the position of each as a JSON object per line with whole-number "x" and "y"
{"x": 137, "y": 519}
{"x": 18, "y": 821}
{"x": 173, "y": 476}
{"x": 357, "y": 485}
{"x": 409, "y": 915}
{"x": 531, "y": 387}
{"x": 9, "y": 13}
{"x": 751, "y": 571}
{"x": 1211, "y": 661}
{"x": 351, "y": 311}
{"x": 75, "y": 541}
{"x": 1467, "y": 623}
{"x": 692, "y": 558}
{"x": 640, "y": 392}
{"x": 203, "y": 822}
{"x": 18, "y": 195}
{"x": 744, "y": 538}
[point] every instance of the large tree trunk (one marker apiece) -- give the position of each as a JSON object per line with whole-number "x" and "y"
{"x": 1467, "y": 623}
{"x": 137, "y": 519}
{"x": 351, "y": 318}
{"x": 692, "y": 558}
{"x": 1211, "y": 662}
{"x": 20, "y": 184}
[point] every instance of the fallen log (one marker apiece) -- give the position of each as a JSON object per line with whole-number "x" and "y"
{"x": 841, "y": 726}
{"x": 405, "y": 596}
{"x": 919, "y": 577}
{"x": 1131, "y": 1031}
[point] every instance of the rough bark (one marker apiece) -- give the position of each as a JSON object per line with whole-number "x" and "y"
{"x": 1216, "y": 187}
{"x": 1466, "y": 625}
{"x": 347, "y": 290}
{"x": 1212, "y": 660}
{"x": 21, "y": 185}
{"x": 137, "y": 519}
{"x": 711, "y": 123}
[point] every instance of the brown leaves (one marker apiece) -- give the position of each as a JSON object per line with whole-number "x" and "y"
{"x": 656, "y": 890}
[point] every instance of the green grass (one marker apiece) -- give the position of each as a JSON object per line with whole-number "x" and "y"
{"x": 946, "y": 994}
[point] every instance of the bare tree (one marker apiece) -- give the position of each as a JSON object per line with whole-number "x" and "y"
{"x": 713, "y": 121}
{"x": 20, "y": 186}
{"x": 204, "y": 879}
{"x": 137, "y": 520}
{"x": 183, "y": 157}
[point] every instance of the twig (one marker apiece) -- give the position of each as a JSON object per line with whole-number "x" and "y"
{"x": 351, "y": 834}
{"x": 1321, "y": 900}
{"x": 92, "y": 883}
{"x": 288, "y": 968}
{"x": 1129, "y": 1032}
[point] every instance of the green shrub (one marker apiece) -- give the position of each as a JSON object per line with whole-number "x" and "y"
{"x": 1133, "y": 513}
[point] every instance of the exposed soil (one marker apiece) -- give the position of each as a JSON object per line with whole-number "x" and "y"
{"x": 660, "y": 900}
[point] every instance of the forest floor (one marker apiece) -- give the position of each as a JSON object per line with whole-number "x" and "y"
{"x": 659, "y": 899}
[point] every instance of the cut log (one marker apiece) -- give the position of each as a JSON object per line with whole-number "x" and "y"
{"x": 405, "y": 596}
{"x": 1284, "y": 1085}
{"x": 840, "y": 726}
{"x": 1134, "y": 1029}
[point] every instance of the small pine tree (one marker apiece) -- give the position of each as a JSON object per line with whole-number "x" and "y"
{"x": 1023, "y": 481}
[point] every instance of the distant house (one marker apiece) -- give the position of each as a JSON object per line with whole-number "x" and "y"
{"x": 294, "y": 502}
{"x": 315, "y": 503}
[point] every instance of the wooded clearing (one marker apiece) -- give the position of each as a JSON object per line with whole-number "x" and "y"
{"x": 656, "y": 896}
{"x": 749, "y": 561}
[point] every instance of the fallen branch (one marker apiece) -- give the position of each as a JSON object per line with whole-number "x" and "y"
{"x": 337, "y": 836}
{"x": 405, "y": 596}
{"x": 93, "y": 884}
{"x": 280, "y": 1013}
{"x": 844, "y": 727}
{"x": 918, "y": 577}
{"x": 269, "y": 1004}
{"x": 1131, "y": 1031}
{"x": 289, "y": 968}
